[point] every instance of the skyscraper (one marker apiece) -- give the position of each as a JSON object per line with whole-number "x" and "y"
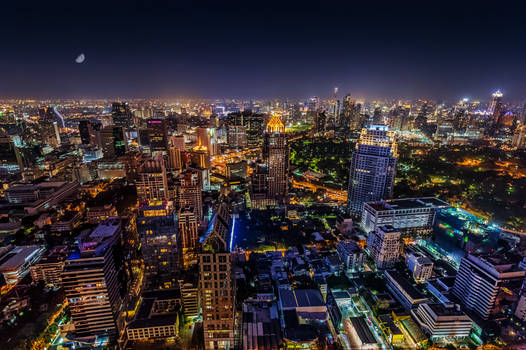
{"x": 276, "y": 156}
{"x": 206, "y": 137}
{"x": 495, "y": 111}
{"x": 152, "y": 183}
{"x": 188, "y": 227}
{"x": 122, "y": 115}
{"x": 158, "y": 234}
{"x": 216, "y": 282}
{"x": 488, "y": 285}
{"x": 113, "y": 141}
{"x": 373, "y": 166}
{"x": 175, "y": 161}
{"x": 189, "y": 194}
{"x": 157, "y": 135}
{"x": 93, "y": 280}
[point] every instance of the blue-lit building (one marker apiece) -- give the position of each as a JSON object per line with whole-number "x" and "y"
{"x": 373, "y": 166}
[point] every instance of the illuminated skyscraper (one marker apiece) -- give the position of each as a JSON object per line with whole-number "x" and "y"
{"x": 373, "y": 167}
{"x": 276, "y": 156}
{"x": 495, "y": 111}
{"x": 113, "y": 141}
{"x": 93, "y": 281}
{"x": 206, "y": 137}
{"x": 122, "y": 115}
{"x": 174, "y": 159}
{"x": 157, "y": 135}
{"x": 158, "y": 234}
{"x": 189, "y": 194}
{"x": 216, "y": 282}
{"x": 152, "y": 183}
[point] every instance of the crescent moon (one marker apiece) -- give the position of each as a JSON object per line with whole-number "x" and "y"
{"x": 80, "y": 58}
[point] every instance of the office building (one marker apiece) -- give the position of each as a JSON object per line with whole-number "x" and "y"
{"x": 373, "y": 166}
{"x": 443, "y": 320}
{"x": 175, "y": 161}
{"x": 93, "y": 281}
{"x": 49, "y": 268}
{"x": 113, "y": 141}
{"x": 276, "y": 156}
{"x": 488, "y": 285}
{"x": 189, "y": 193}
{"x": 122, "y": 115}
{"x": 158, "y": 234}
{"x": 236, "y": 136}
{"x": 420, "y": 266}
{"x": 15, "y": 263}
{"x": 352, "y": 256}
{"x": 216, "y": 282}
{"x": 207, "y": 138}
{"x": 152, "y": 183}
{"x": 157, "y": 135}
{"x": 384, "y": 246}
{"x": 188, "y": 227}
{"x": 157, "y": 316}
{"x": 403, "y": 290}
{"x": 409, "y": 215}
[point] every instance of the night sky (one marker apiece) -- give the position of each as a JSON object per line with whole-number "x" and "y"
{"x": 429, "y": 49}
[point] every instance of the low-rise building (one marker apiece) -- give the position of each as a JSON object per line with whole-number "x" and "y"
{"x": 420, "y": 266}
{"x": 351, "y": 255}
{"x": 403, "y": 291}
{"x": 50, "y": 267}
{"x": 443, "y": 320}
{"x": 15, "y": 264}
{"x": 409, "y": 215}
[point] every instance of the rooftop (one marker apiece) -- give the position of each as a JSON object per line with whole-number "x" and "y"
{"x": 18, "y": 256}
{"x": 301, "y": 298}
{"x": 408, "y": 203}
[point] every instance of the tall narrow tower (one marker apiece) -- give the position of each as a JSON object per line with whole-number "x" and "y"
{"x": 276, "y": 156}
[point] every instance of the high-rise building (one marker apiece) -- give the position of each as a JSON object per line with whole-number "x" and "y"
{"x": 113, "y": 141}
{"x": 237, "y": 136}
{"x": 495, "y": 111}
{"x": 384, "y": 245}
{"x": 158, "y": 135}
{"x": 152, "y": 183}
{"x": 48, "y": 125}
{"x": 373, "y": 166}
{"x": 276, "y": 156}
{"x": 175, "y": 161}
{"x": 254, "y": 124}
{"x": 122, "y": 115}
{"x": 216, "y": 282}
{"x": 488, "y": 285}
{"x": 206, "y": 137}
{"x": 189, "y": 194}
{"x": 89, "y": 132}
{"x": 158, "y": 234}
{"x": 188, "y": 226}
{"x": 93, "y": 280}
